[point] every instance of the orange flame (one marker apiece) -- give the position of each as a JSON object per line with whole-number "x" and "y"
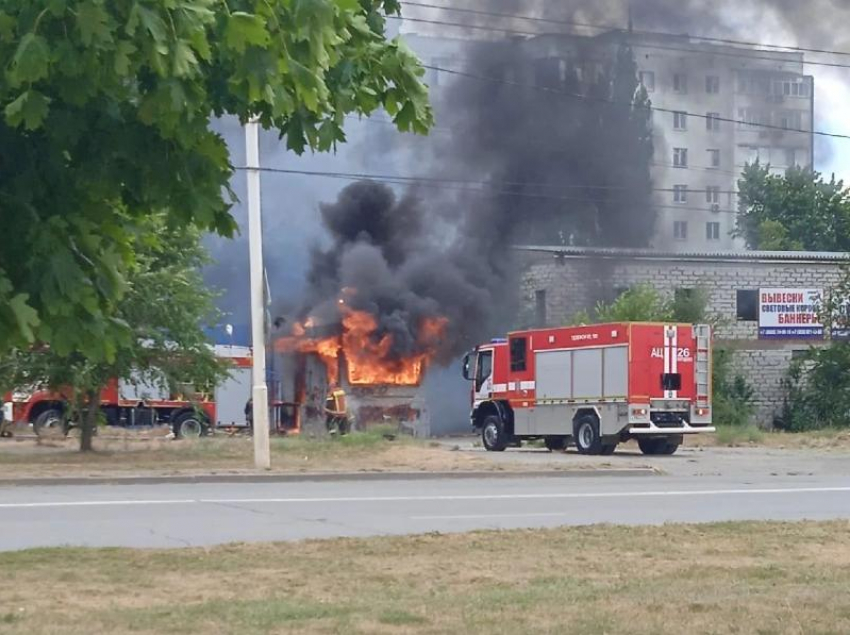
{"x": 369, "y": 358}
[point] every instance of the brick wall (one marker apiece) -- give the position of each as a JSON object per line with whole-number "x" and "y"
{"x": 575, "y": 279}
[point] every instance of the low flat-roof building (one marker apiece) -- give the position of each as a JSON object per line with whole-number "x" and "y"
{"x": 763, "y": 299}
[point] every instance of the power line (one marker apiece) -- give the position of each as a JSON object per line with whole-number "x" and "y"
{"x": 556, "y": 91}
{"x": 736, "y": 54}
{"x": 450, "y": 184}
{"x": 605, "y": 27}
{"x": 690, "y": 167}
{"x": 428, "y": 179}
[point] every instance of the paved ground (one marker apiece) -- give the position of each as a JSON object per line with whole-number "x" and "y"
{"x": 734, "y": 464}
{"x": 699, "y": 486}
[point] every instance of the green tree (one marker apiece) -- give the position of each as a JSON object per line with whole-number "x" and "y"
{"x": 164, "y": 309}
{"x": 818, "y": 382}
{"x": 795, "y": 212}
{"x": 105, "y": 111}
{"x": 627, "y": 218}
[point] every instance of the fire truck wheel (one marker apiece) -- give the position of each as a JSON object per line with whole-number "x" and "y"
{"x": 189, "y": 425}
{"x": 659, "y": 447}
{"x": 586, "y": 435}
{"x": 555, "y": 444}
{"x": 50, "y": 423}
{"x": 493, "y": 434}
{"x": 609, "y": 449}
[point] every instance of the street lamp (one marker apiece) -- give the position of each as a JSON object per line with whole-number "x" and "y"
{"x": 260, "y": 391}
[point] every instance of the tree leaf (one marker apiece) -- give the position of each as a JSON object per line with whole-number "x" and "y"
{"x": 31, "y": 60}
{"x": 25, "y": 316}
{"x": 7, "y": 26}
{"x": 92, "y": 21}
{"x": 348, "y": 5}
{"x": 30, "y": 108}
{"x": 184, "y": 60}
{"x": 245, "y": 29}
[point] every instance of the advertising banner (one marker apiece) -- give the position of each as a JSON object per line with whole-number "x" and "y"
{"x": 790, "y": 314}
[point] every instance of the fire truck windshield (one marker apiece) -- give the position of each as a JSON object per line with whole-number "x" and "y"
{"x": 469, "y": 366}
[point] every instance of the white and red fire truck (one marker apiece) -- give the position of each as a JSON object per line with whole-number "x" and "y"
{"x": 134, "y": 404}
{"x": 595, "y": 386}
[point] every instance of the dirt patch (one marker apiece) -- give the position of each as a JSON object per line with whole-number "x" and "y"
{"x": 158, "y": 456}
{"x": 741, "y": 578}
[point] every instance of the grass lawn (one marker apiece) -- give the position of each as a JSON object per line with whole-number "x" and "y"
{"x": 762, "y": 578}
{"x": 752, "y": 436}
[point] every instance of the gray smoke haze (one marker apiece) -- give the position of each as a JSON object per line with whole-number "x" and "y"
{"x": 446, "y": 251}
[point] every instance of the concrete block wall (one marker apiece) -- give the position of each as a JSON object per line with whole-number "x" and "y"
{"x": 576, "y": 280}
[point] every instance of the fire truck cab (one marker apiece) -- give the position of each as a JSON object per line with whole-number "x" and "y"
{"x": 595, "y": 386}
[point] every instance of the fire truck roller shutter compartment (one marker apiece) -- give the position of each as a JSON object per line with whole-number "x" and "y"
{"x": 565, "y": 379}
{"x": 231, "y": 397}
{"x": 554, "y": 389}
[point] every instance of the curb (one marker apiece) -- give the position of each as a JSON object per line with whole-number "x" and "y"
{"x": 321, "y": 477}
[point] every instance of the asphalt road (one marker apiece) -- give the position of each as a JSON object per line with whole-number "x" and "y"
{"x": 206, "y": 514}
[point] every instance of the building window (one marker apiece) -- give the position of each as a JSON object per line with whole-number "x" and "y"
{"x": 752, "y": 119}
{"x": 748, "y": 305}
{"x": 712, "y": 194}
{"x": 712, "y": 231}
{"x": 680, "y": 157}
{"x": 680, "y": 193}
{"x": 712, "y": 121}
{"x": 798, "y": 87}
{"x": 647, "y": 78}
{"x": 680, "y": 230}
{"x": 791, "y": 120}
{"x": 540, "y": 306}
{"x": 684, "y": 295}
{"x": 714, "y": 158}
{"x": 712, "y": 84}
{"x": 791, "y": 157}
{"x": 753, "y": 85}
{"x": 519, "y": 350}
{"x": 680, "y": 83}
{"x": 680, "y": 120}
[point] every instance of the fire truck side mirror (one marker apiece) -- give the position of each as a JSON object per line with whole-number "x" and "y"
{"x": 468, "y": 370}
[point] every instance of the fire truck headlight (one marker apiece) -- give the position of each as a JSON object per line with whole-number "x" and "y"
{"x": 640, "y": 413}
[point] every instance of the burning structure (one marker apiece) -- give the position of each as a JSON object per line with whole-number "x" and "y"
{"x": 373, "y": 320}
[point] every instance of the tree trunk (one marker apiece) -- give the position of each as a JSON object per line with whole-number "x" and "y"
{"x": 88, "y": 421}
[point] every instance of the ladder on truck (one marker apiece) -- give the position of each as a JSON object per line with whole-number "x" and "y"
{"x": 702, "y": 367}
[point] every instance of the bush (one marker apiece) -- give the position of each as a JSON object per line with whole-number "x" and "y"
{"x": 818, "y": 386}
{"x": 733, "y": 395}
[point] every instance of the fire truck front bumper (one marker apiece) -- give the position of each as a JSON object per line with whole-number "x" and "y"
{"x": 669, "y": 418}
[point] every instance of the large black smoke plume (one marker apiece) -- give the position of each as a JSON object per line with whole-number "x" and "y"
{"x": 554, "y": 171}
{"x": 389, "y": 258}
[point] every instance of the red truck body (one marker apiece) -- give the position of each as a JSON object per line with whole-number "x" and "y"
{"x": 595, "y": 385}
{"x": 129, "y": 405}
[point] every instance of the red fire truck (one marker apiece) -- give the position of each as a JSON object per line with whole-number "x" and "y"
{"x": 135, "y": 404}
{"x": 595, "y": 386}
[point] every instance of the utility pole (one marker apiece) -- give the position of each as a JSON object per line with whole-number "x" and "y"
{"x": 260, "y": 391}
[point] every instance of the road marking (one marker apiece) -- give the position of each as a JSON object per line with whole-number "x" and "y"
{"x": 436, "y": 498}
{"x": 493, "y": 516}
{"x": 96, "y": 503}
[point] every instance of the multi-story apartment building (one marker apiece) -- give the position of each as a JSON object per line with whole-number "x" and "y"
{"x": 718, "y": 107}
